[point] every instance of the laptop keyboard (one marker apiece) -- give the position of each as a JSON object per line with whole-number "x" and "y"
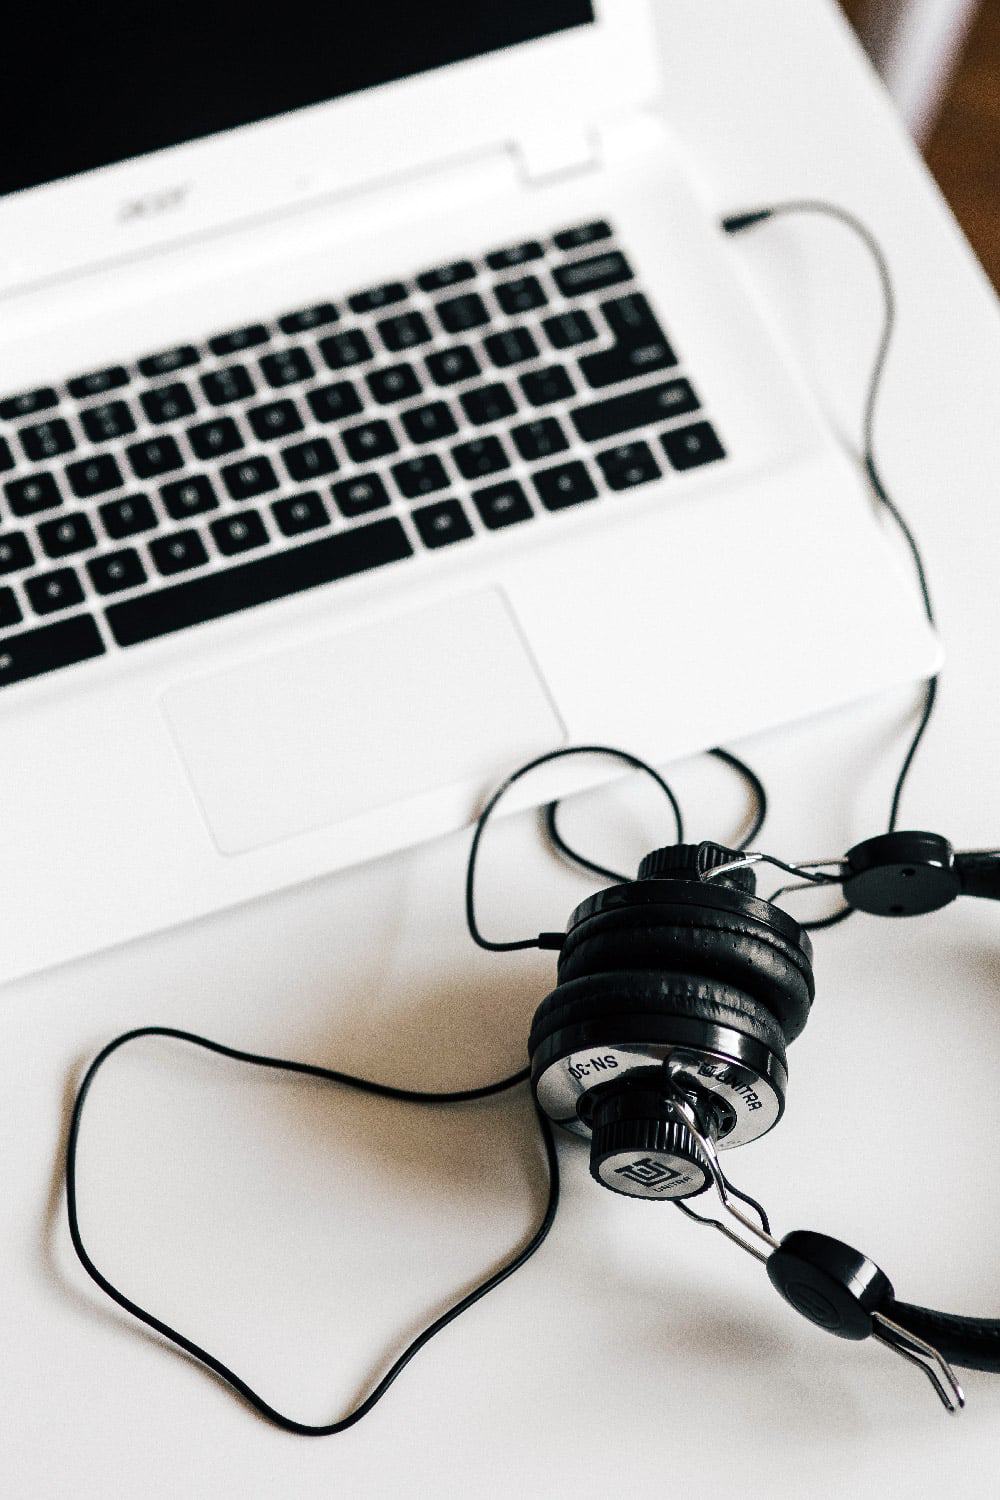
{"x": 332, "y": 441}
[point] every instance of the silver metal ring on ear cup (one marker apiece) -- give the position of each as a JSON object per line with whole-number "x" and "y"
{"x": 746, "y": 1080}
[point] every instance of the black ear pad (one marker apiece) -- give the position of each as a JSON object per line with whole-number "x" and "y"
{"x": 615, "y": 999}
{"x": 704, "y": 943}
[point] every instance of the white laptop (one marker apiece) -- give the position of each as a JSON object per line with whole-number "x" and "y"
{"x": 379, "y": 409}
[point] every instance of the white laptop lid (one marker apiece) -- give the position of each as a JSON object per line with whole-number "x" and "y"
{"x": 122, "y": 158}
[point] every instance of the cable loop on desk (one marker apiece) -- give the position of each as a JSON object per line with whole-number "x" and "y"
{"x": 330, "y": 1075}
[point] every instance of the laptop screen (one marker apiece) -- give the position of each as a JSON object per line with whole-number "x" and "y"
{"x": 84, "y": 86}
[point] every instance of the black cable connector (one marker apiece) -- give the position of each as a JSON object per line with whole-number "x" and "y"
{"x": 733, "y": 223}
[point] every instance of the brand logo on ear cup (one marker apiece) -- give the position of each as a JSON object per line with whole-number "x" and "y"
{"x": 651, "y": 1174}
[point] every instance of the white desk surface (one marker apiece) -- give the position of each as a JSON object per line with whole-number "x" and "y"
{"x": 302, "y": 1233}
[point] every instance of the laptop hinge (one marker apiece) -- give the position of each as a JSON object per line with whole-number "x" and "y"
{"x": 558, "y": 153}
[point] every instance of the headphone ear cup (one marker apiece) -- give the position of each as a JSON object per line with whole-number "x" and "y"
{"x": 725, "y": 947}
{"x": 672, "y": 968}
{"x": 611, "y": 1000}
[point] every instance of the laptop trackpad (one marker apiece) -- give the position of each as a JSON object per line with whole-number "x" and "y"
{"x": 338, "y": 727}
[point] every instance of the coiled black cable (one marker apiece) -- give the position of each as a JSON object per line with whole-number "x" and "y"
{"x": 330, "y": 1075}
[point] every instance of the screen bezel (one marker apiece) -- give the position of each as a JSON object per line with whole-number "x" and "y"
{"x": 525, "y": 93}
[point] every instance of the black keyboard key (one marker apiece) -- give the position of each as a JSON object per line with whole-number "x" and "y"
{"x": 458, "y": 314}
{"x": 6, "y": 457}
{"x": 155, "y": 456}
{"x": 480, "y": 457}
{"x": 319, "y": 316}
{"x": 404, "y": 331}
{"x": 514, "y": 255}
{"x": 453, "y": 365}
{"x": 520, "y": 295}
{"x": 252, "y": 476}
{"x": 589, "y": 275}
{"x": 168, "y": 403}
{"x": 232, "y": 383}
{"x": 239, "y": 338}
{"x": 178, "y": 552}
{"x": 582, "y": 234}
{"x": 689, "y": 447}
{"x": 355, "y": 497}
{"x": 287, "y": 367}
{"x": 444, "y": 276}
{"x": 169, "y": 360}
{"x": 420, "y": 476}
{"x": 566, "y": 484}
{"x": 189, "y": 497}
{"x": 567, "y": 329}
{"x": 27, "y": 403}
{"x": 330, "y": 403}
{"x": 377, "y": 296}
{"x": 348, "y": 348}
{"x": 240, "y": 533}
{"x": 301, "y": 513}
{"x": 116, "y": 571}
{"x": 49, "y": 647}
{"x": 66, "y": 534}
{"x": 510, "y": 347}
{"x": 628, "y": 465}
{"x": 355, "y": 550}
{"x": 631, "y": 319}
{"x": 627, "y": 362}
{"x": 370, "y": 440}
{"x": 277, "y": 419}
{"x": 103, "y": 423}
{"x": 15, "y": 552}
{"x": 25, "y": 496}
{"x": 305, "y": 460}
{"x": 443, "y": 523}
{"x": 491, "y": 403}
{"x": 396, "y": 383}
{"x": 10, "y": 613}
{"x": 212, "y": 439}
{"x": 60, "y": 589}
{"x": 540, "y": 439}
{"x": 604, "y": 419}
{"x": 47, "y": 440}
{"x": 92, "y": 476}
{"x": 502, "y": 505}
{"x": 121, "y": 518}
{"x": 97, "y": 382}
{"x": 426, "y": 423}
{"x": 542, "y": 387}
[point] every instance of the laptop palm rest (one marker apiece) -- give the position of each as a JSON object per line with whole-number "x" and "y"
{"x": 333, "y": 729}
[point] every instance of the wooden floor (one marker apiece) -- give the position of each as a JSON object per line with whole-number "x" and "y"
{"x": 964, "y": 150}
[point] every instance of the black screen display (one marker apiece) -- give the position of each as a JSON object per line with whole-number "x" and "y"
{"x": 85, "y": 85}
